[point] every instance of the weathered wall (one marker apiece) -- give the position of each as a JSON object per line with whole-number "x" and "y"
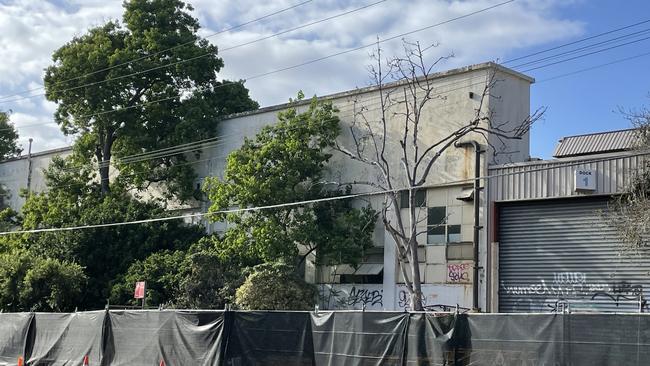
{"x": 14, "y": 174}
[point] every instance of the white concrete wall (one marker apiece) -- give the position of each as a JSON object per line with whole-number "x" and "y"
{"x": 14, "y": 175}
{"x": 452, "y": 108}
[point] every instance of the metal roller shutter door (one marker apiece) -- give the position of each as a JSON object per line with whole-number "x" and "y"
{"x": 551, "y": 251}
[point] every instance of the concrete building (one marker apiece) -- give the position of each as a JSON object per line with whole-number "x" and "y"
{"x": 446, "y": 254}
{"x": 26, "y": 172}
{"x": 552, "y": 243}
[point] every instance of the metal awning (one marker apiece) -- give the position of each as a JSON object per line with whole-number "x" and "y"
{"x": 467, "y": 194}
{"x": 363, "y": 269}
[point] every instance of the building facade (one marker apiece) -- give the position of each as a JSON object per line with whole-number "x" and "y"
{"x": 553, "y": 244}
{"x": 446, "y": 251}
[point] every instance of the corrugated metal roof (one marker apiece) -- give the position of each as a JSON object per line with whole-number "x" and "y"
{"x": 597, "y": 143}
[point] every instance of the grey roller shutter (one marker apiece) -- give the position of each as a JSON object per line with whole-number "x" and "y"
{"x": 552, "y": 251}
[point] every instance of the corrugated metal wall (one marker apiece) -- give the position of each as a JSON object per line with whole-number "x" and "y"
{"x": 564, "y": 250}
{"x": 554, "y": 178}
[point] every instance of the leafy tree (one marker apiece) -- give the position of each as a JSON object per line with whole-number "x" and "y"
{"x": 275, "y": 286}
{"x": 285, "y": 163}
{"x": 104, "y": 252}
{"x": 162, "y": 272}
{"x": 29, "y": 282}
{"x": 8, "y": 138}
{"x": 118, "y": 108}
{"x": 196, "y": 279}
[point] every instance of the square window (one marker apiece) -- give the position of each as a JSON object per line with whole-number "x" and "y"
{"x": 453, "y": 233}
{"x": 420, "y": 198}
{"x": 436, "y": 235}
{"x": 438, "y": 229}
{"x": 437, "y": 215}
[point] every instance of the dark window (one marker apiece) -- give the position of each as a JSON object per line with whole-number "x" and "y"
{"x": 420, "y": 198}
{"x": 363, "y": 279}
{"x": 453, "y": 233}
{"x": 438, "y": 230}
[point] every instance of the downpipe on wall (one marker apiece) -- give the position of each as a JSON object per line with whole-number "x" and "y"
{"x": 477, "y": 223}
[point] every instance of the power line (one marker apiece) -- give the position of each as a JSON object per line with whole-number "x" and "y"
{"x": 585, "y": 55}
{"x": 222, "y": 140}
{"x": 307, "y": 202}
{"x": 165, "y": 50}
{"x": 296, "y": 65}
{"x": 594, "y": 67}
{"x": 576, "y": 50}
{"x": 575, "y": 42}
{"x": 205, "y": 54}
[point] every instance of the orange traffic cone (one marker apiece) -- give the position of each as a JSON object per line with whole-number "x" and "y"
{"x": 162, "y": 362}
{"x": 85, "y": 363}
{"x": 21, "y": 362}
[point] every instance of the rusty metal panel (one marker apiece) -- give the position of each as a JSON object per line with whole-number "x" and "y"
{"x": 564, "y": 251}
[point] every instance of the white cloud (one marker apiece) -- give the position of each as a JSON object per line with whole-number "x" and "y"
{"x": 32, "y": 29}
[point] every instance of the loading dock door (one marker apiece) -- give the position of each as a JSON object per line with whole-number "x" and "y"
{"x": 559, "y": 251}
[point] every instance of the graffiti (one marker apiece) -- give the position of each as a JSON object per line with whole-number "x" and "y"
{"x": 621, "y": 293}
{"x": 404, "y": 300}
{"x": 568, "y": 287}
{"x": 459, "y": 272}
{"x": 569, "y": 278}
{"x": 362, "y": 296}
{"x": 346, "y": 297}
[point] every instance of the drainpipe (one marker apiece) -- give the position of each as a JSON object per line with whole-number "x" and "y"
{"x": 29, "y": 166}
{"x": 477, "y": 222}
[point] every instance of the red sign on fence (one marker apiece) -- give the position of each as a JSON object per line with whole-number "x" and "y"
{"x": 139, "y": 290}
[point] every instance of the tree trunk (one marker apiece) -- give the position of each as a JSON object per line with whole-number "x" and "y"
{"x": 105, "y": 163}
{"x": 416, "y": 295}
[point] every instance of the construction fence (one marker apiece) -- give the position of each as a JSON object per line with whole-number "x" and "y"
{"x": 234, "y": 338}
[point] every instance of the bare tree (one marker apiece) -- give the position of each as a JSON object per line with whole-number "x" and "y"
{"x": 402, "y": 107}
{"x": 630, "y": 211}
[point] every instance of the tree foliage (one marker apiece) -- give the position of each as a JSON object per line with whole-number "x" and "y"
{"x": 285, "y": 163}
{"x": 8, "y": 138}
{"x": 104, "y": 252}
{"x": 275, "y": 286}
{"x": 29, "y": 282}
{"x": 118, "y": 108}
{"x": 198, "y": 278}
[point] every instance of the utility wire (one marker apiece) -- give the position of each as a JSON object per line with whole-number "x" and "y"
{"x": 585, "y": 55}
{"x": 296, "y": 65}
{"x": 318, "y": 200}
{"x": 584, "y": 48}
{"x": 205, "y": 54}
{"x": 165, "y": 50}
{"x": 575, "y": 42}
{"x": 594, "y": 67}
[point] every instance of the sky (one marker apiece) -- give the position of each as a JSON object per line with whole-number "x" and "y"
{"x": 583, "y": 102}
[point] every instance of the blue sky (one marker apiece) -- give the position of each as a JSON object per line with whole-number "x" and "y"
{"x": 31, "y": 29}
{"x": 589, "y": 101}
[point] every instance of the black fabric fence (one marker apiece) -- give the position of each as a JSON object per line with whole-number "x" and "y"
{"x": 237, "y": 338}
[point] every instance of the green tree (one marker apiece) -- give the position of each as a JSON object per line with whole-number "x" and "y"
{"x": 8, "y": 138}
{"x": 117, "y": 111}
{"x": 285, "y": 163}
{"x": 275, "y": 286}
{"x": 29, "y": 282}
{"x": 104, "y": 252}
{"x": 198, "y": 278}
{"x": 162, "y": 271}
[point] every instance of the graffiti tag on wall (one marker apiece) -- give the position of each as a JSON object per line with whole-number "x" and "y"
{"x": 575, "y": 286}
{"x": 355, "y": 297}
{"x": 459, "y": 272}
